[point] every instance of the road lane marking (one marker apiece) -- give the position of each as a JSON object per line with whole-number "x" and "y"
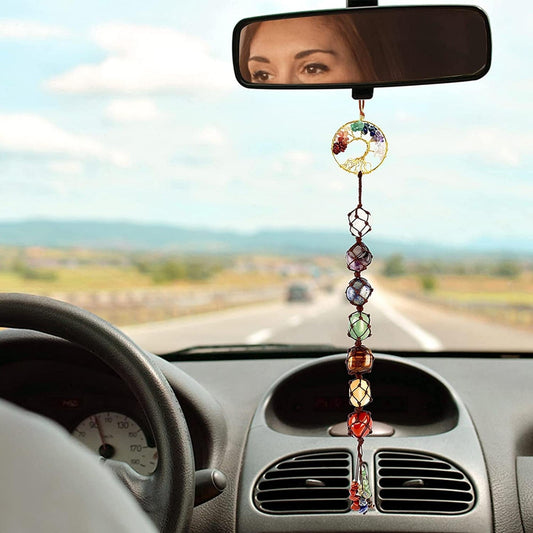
{"x": 295, "y": 320}
{"x": 259, "y": 336}
{"x": 428, "y": 342}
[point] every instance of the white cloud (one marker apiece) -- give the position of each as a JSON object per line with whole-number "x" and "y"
{"x": 144, "y": 59}
{"x": 299, "y": 157}
{"x": 133, "y": 110}
{"x": 490, "y": 143}
{"x": 66, "y": 167}
{"x": 210, "y": 136}
{"x": 11, "y": 29}
{"x": 294, "y": 163}
{"x": 28, "y": 133}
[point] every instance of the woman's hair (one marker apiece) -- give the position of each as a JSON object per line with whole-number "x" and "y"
{"x": 347, "y": 29}
{"x": 247, "y": 36}
{"x": 377, "y": 62}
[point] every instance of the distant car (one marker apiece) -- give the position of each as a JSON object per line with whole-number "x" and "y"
{"x": 298, "y": 292}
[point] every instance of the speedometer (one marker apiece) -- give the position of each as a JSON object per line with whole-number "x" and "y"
{"x": 116, "y": 436}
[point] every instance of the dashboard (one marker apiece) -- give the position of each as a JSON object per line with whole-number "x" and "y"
{"x": 455, "y": 435}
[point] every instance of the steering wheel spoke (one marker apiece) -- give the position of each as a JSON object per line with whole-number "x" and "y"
{"x": 167, "y": 495}
{"x": 142, "y": 487}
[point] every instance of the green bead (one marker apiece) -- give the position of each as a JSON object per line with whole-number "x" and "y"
{"x": 359, "y": 326}
{"x": 358, "y": 126}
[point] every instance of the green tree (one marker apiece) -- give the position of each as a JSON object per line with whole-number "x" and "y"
{"x": 394, "y": 266}
{"x": 428, "y": 282}
{"x": 507, "y": 269}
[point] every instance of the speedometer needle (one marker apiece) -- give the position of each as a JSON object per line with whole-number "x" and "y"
{"x": 106, "y": 450}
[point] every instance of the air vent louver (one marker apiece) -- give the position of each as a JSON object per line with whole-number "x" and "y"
{"x": 310, "y": 483}
{"x": 417, "y": 483}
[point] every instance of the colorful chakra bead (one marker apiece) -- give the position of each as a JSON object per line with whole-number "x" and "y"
{"x": 365, "y": 483}
{"x": 360, "y": 392}
{"x": 359, "y": 360}
{"x": 360, "y": 424}
{"x": 354, "y": 491}
{"x": 358, "y": 221}
{"x": 359, "y": 326}
{"x": 343, "y": 136}
{"x": 378, "y": 137}
{"x": 381, "y": 150}
{"x": 357, "y": 126}
{"x": 358, "y": 257}
{"x": 358, "y": 291}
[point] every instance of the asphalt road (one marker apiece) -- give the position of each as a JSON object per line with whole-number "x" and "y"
{"x": 397, "y": 324}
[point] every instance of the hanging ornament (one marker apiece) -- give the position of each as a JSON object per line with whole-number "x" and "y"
{"x": 359, "y": 147}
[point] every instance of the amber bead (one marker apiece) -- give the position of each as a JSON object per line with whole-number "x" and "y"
{"x": 359, "y": 360}
{"x": 360, "y": 424}
{"x": 360, "y": 392}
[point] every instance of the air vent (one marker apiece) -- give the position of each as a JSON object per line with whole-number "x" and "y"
{"x": 421, "y": 484}
{"x": 311, "y": 483}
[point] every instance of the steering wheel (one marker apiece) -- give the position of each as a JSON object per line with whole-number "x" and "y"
{"x": 168, "y": 494}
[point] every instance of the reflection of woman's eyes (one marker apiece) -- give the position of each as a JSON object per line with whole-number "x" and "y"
{"x": 260, "y": 76}
{"x": 315, "y": 68}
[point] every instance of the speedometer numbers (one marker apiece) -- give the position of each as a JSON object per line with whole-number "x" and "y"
{"x": 116, "y": 436}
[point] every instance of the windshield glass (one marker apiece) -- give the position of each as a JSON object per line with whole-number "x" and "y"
{"x": 141, "y": 182}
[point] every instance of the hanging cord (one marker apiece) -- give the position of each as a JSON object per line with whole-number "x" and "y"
{"x": 359, "y": 458}
{"x": 360, "y": 189}
{"x": 361, "y": 109}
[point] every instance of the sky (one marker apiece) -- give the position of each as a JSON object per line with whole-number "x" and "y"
{"x": 119, "y": 111}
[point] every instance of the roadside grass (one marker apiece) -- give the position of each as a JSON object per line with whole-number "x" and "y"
{"x": 506, "y": 299}
{"x": 83, "y": 278}
{"x": 99, "y": 278}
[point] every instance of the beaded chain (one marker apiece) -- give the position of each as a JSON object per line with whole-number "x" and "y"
{"x": 359, "y": 147}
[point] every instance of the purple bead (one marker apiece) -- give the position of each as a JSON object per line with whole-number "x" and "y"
{"x": 358, "y": 257}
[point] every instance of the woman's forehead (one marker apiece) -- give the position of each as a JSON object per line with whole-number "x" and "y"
{"x": 286, "y": 34}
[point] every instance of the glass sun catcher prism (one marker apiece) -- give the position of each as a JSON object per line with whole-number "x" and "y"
{"x": 359, "y": 147}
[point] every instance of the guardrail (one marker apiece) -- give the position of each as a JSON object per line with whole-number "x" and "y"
{"x": 161, "y": 303}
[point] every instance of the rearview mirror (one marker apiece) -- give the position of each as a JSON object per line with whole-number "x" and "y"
{"x": 376, "y": 47}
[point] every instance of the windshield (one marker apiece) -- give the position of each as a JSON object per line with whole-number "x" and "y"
{"x": 141, "y": 182}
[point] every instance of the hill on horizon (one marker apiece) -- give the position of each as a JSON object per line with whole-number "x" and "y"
{"x": 130, "y": 236}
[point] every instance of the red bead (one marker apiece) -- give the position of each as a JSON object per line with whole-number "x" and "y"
{"x": 360, "y": 424}
{"x": 354, "y": 488}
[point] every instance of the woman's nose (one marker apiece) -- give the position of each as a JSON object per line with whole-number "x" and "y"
{"x": 288, "y": 77}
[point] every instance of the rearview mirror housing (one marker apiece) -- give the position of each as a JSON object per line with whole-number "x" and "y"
{"x": 362, "y": 47}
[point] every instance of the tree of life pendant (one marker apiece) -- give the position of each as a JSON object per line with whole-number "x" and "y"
{"x": 359, "y": 146}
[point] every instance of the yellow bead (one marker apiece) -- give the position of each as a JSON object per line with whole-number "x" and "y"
{"x": 359, "y": 392}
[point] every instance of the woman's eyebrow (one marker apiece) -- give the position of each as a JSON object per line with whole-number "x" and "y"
{"x": 306, "y": 53}
{"x": 260, "y": 59}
